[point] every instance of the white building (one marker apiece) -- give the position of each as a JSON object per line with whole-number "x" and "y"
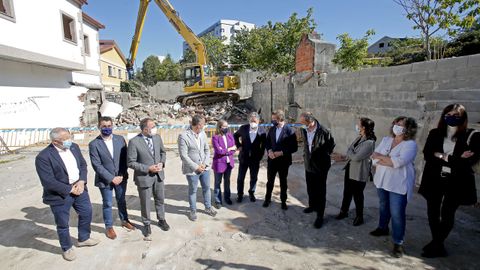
{"x": 223, "y": 28}
{"x": 44, "y": 50}
{"x": 383, "y": 45}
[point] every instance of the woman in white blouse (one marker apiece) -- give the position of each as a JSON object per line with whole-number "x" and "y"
{"x": 395, "y": 178}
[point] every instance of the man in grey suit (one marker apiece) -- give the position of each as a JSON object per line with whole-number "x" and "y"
{"x": 195, "y": 154}
{"x": 108, "y": 154}
{"x": 146, "y": 156}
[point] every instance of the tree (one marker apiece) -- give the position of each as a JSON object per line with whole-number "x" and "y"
{"x": 352, "y": 52}
{"x": 466, "y": 43}
{"x": 217, "y": 51}
{"x": 169, "y": 70}
{"x": 270, "y": 48}
{"x": 431, "y": 16}
{"x": 150, "y": 69}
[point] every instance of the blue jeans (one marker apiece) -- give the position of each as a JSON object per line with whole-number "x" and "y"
{"x": 193, "y": 180}
{"x": 226, "y": 184}
{"x": 392, "y": 205}
{"x": 61, "y": 213}
{"x": 107, "y": 194}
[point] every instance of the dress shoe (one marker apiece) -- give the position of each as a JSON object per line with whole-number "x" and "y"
{"x": 398, "y": 251}
{"x": 252, "y": 197}
{"x": 318, "y": 223}
{"x": 358, "y": 221}
{"x": 379, "y": 232}
{"x": 308, "y": 210}
{"x": 163, "y": 225}
{"x": 69, "y": 255}
{"x": 434, "y": 250}
{"x": 148, "y": 230}
{"x": 341, "y": 215}
{"x": 192, "y": 215}
{"x": 240, "y": 198}
{"x": 266, "y": 203}
{"x": 210, "y": 212}
{"x": 110, "y": 232}
{"x": 228, "y": 201}
{"x": 127, "y": 225}
{"x": 90, "y": 242}
{"x": 284, "y": 206}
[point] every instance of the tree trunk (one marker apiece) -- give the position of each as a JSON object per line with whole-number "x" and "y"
{"x": 427, "y": 48}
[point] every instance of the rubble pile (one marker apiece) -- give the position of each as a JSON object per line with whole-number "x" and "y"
{"x": 164, "y": 112}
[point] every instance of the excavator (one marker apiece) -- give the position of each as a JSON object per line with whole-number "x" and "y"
{"x": 202, "y": 86}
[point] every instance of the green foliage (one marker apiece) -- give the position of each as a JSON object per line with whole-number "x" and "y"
{"x": 270, "y": 48}
{"x": 466, "y": 43}
{"x": 150, "y": 68}
{"x": 352, "y": 52}
{"x": 153, "y": 70}
{"x": 217, "y": 52}
{"x": 169, "y": 70}
{"x": 406, "y": 51}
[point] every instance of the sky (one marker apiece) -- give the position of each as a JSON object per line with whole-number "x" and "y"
{"x": 333, "y": 17}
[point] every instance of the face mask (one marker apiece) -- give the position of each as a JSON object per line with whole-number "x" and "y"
{"x": 274, "y": 123}
{"x": 453, "y": 120}
{"x": 398, "y": 130}
{"x": 153, "y": 131}
{"x": 225, "y": 130}
{"x": 67, "y": 144}
{"x": 253, "y": 125}
{"x": 106, "y": 131}
{"x": 357, "y": 129}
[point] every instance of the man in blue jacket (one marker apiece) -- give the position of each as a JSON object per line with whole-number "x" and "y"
{"x": 108, "y": 154}
{"x": 63, "y": 174}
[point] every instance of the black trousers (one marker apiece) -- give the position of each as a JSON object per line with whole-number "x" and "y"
{"x": 254, "y": 167}
{"x": 441, "y": 210}
{"x": 274, "y": 167}
{"x": 317, "y": 190}
{"x": 353, "y": 189}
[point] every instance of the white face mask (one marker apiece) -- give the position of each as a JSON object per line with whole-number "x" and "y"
{"x": 357, "y": 129}
{"x": 153, "y": 131}
{"x": 253, "y": 125}
{"x": 398, "y": 130}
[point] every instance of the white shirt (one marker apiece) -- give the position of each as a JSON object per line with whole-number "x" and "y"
{"x": 109, "y": 143}
{"x": 71, "y": 164}
{"x": 197, "y": 139}
{"x": 226, "y": 146}
{"x": 253, "y": 134}
{"x": 400, "y": 178}
{"x": 310, "y": 136}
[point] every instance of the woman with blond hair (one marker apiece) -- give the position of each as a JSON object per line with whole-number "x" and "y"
{"x": 223, "y": 162}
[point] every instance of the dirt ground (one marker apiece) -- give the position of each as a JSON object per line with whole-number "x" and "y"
{"x": 241, "y": 236}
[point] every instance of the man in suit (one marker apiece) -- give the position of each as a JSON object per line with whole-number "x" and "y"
{"x": 108, "y": 154}
{"x": 63, "y": 174}
{"x": 281, "y": 144}
{"x": 195, "y": 154}
{"x": 250, "y": 140}
{"x": 146, "y": 156}
{"x": 318, "y": 146}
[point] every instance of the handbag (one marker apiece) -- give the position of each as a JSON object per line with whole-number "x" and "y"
{"x": 476, "y": 166}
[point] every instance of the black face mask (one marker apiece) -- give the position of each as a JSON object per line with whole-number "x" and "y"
{"x": 275, "y": 123}
{"x": 453, "y": 120}
{"x": 225, "y": 130}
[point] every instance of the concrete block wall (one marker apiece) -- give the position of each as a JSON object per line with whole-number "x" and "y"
{"x": 419, "y": 90}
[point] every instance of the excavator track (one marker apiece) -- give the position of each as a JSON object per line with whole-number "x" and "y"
{"x": 209, "y": 98}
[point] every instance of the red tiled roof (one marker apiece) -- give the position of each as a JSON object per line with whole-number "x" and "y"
{"x": 92, "y": 21}
{"x": 107, "y": 45}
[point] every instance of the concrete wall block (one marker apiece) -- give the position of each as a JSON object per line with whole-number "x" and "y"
{"x": 424, "y": 66}
{"x": 400, "y": 70}
{"x": 472, "y": 83}
{"x": 474, "y": 60}
{"x": 467, "y": 73}
{"x": 416, "y": 76}
{"x": 453, "y": 95}
{"x": 452, "y": 63}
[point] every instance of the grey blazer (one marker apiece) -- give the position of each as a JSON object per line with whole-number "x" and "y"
{"x": 192, "y": 156}
{"x": 140, "y": 159}
{"x": 359, "y": 159}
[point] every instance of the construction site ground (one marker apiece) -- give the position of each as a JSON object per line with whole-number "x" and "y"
{"x": 242, "y": 236}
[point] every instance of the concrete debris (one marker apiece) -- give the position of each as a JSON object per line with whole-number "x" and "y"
{"x": 240, "y": 237}
{"x": 220, "y": 249}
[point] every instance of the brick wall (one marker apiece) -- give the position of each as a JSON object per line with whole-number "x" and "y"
{"x": 305, "y": 55}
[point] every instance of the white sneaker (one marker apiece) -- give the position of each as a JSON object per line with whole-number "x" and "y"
{"x": 69, "y": 255}
{"x": 90, "y": 242}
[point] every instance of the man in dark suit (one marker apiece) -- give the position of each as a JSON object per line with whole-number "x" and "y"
{"x": 318, "y": 146}
{"x": 108, "y": 154}
{"x": 63, "y": 174}
{"x": 281, "y": 144}
{"x": 147, "y": 156}
{"x": 250, "y": 140}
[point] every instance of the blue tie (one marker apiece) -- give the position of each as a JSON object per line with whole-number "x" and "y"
{"x": 150, "y": 144}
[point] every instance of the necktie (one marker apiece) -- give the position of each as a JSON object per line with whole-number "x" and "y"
{"x": 150, "y": 145}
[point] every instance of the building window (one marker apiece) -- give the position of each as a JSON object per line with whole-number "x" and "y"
{"x": 223, "y": 30}
{"x": 86, "y": 45}
{"x": 381, "y": 45}
{"x": 110, "y": 71}
{"x": 69, "y": 31}
{"x": 119, "y": 73}
{"x": 6, "y": 10}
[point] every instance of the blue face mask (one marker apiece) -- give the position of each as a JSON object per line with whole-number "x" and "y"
{"x": 274, "y": 123}
{"x": 225, "y": 130}
{"x": 67, "y": 144}
{"x": 453, "y": 120}
{"x": 106, "y": 131}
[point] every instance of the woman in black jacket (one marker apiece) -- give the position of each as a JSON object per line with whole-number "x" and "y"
{"x": 448, "y": 179}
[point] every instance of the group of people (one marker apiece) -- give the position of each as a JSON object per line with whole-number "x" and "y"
{"x": 447, "y": 182}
